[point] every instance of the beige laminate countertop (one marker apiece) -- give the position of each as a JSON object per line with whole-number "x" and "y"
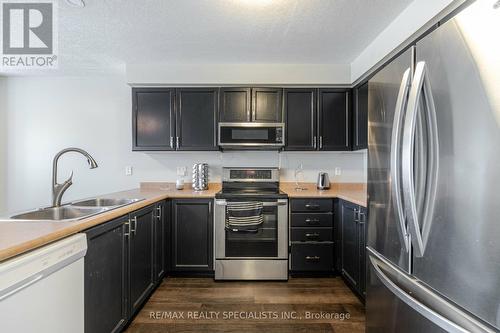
{"x": 352, "y": 192}
{"x": 20, "y": 237}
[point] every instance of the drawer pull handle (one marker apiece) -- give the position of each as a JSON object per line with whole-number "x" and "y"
{"x": 313, "y": 235}
{"x": 312, "y": 221}
{"x": 309, "y": 206}
{"x": 312, "y": 258}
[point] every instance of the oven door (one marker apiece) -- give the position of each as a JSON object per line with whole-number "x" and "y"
{"x": 251, "y": 229}
{"x": 251, "y": 135}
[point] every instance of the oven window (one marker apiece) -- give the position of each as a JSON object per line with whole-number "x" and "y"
{"x": 254, "y": 239}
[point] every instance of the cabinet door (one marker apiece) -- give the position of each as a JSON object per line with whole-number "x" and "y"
{"x": 362, "y": 250}
{"x": 141, "y": 256}
{"x": 153, "y": 119}
{"x": 234, "y": 105}
{"x": 337, "y": 234}
{"x": 266, "y": 105}
{"x": 106, "y": 277}
{"x": 192, "y": 233}
{"x": 350, "y": 243}
{"x": 160, "y": 242}
{"x": 300, "y": 115}
{"x": 196, "y": 118}
{"x": 360, "y": 118}
{"x": 334, "y": 120}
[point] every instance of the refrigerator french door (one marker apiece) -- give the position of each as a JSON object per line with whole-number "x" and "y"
{"x": 440, "y": 175}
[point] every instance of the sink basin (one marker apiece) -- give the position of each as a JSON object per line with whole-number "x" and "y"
{"x": 63, "y": 213}
{"x": 104, "y": 202}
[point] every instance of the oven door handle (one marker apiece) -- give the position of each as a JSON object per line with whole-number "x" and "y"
{"x": 250, "y": 231}
{"x": 265, "y": 204}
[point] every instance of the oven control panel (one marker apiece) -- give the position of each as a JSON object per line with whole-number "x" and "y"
{"x": 250, "y": 174}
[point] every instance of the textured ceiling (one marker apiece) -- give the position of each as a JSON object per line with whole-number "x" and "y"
{"x": 107, "y": 34}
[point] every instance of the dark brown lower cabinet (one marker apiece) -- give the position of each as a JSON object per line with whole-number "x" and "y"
{"x": 141, "y": 256}
{"x": 192, "y": 235}
{"x": 311, "y": 236}
{"x": 125, "y": 261}
{"x": 162, "y": 211}
{"x": 106, "y": 279}
{"x": 353, "y": 245}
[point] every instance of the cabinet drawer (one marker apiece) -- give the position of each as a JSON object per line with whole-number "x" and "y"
{"x": 312, "y": 220}
{"x": 312, "y": 234}
{"x": 312, "y": 257}
{"x": 312, "y": 205}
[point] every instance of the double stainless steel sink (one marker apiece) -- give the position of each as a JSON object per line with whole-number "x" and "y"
{"x": 74, "y": 211}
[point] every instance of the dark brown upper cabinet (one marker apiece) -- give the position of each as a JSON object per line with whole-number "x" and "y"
{"x": 360, "y": 118}
{"x": 300, "y": 107}
{"x": 153, "y": 119}
{"x": 174, "y": 119}
{"x": 262, "y": 105}
{"x": 196, "y": 118}
{"x": 235, "y": 105}
{"x": 266, "y": 105}
{"x": 334, "y": 119}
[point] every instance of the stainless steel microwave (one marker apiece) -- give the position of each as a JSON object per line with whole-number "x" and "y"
{"x": 252, "y": 135}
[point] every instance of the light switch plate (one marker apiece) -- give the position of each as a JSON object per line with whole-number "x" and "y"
{"x": 128, "y": 170}
{"x": 338, "y": 171}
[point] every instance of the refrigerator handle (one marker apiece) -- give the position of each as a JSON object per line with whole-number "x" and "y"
{"x": 426, "y": 302}
{"x": 419, "y": 230}
{"x": 395, "y": 157}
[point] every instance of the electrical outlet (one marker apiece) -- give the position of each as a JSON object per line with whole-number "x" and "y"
{"x": 128, "y": 170}
{"x": 338, "y": 171}
{"x": 181, "y": 171}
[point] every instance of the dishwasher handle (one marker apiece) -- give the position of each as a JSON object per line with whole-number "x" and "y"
{"x": 17, "y": 288}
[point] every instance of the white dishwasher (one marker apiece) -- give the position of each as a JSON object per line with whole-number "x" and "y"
{"x": 43, "y": 290}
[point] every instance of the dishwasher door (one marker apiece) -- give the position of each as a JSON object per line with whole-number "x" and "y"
{"x": 43, "y": 291}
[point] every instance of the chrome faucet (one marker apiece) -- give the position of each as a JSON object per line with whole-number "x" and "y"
{"x": 59, "y": 189}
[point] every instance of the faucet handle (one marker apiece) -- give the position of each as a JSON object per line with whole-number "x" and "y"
{"x": 70, "y": 179}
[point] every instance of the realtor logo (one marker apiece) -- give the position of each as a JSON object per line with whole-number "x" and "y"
{"x": 29, "y": 38}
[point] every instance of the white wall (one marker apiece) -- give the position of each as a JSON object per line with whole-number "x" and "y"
{"x": 46, "y": 114}
{"x": 3, "y": 144}
{"x": 244, "y": 74}
{"x": 415, "y": 16}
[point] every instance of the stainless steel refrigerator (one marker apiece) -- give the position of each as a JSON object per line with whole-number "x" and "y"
{"x": 433, "y": 253}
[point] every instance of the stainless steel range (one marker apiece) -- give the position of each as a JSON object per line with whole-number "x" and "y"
{"x": 251, "y": 226}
